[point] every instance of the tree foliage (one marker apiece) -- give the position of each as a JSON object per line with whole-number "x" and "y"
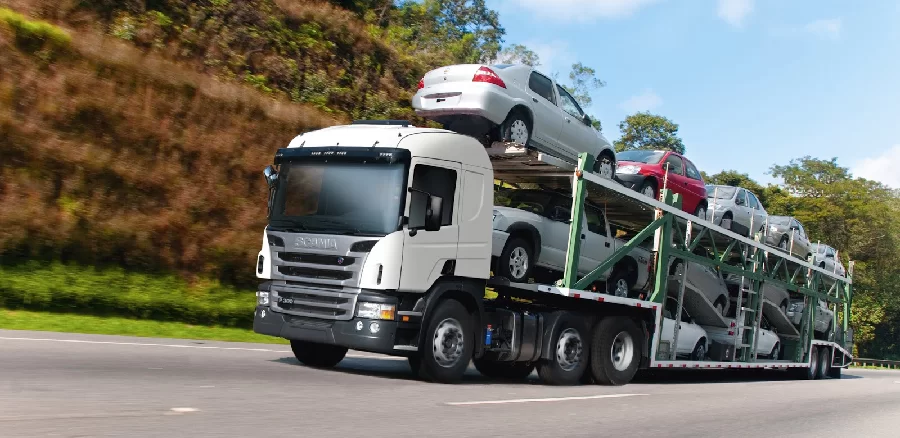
{"x": 644, "y": 130}
{"x": 518, "y": 54}
{"x": 583, "y": 81}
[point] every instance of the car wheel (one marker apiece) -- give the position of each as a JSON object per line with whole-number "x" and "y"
{"x": 604, "y": 167}
{"x": 699, "y": 352}
{"x": 516, "y": 260}
{"x": 516, "y": 128}
{"x": 783, "y": 244}
{"x": 720, "y": 306}
{"x": 619, "y": 283}
{"x": 774, "y": 354}
{"x": 700, "y": 212}
{"x": 647, "y": 189}
{"x": 784, "y": 307}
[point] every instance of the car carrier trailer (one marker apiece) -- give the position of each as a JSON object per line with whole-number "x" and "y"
{"x": 379, "y": 240}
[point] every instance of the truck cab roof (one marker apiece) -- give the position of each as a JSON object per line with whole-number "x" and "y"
{"x": 432, "y": 143}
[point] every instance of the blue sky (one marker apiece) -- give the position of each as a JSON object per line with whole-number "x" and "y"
{"x": 750, "y": 82}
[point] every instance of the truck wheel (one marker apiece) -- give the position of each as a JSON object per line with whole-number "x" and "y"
{"x": 516, "y": 260}
{"x": 318, "y": 355}
{"x": 615, "y": 350}
{"x": 503, "y": 370}
{"x": 448, "y": 343}
{"x": 824, "y": 363}
{"x": 835, "y": 373}
{"x": 570, "y": 352}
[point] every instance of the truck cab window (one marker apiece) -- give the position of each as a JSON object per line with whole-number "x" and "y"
{"x": 437, "y": 181}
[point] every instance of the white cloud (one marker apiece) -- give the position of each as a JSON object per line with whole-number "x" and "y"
{"x": 646, "y": 101}
{"x": 734, "y": 11}
{"x": 583, "y": 10}
{"x": 830, "y": 28}
{"x": 882, "y": 168}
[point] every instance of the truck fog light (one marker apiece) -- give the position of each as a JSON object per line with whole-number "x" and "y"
{"x": 262, "y": 298}
{"x": 375, "y": 311}
{"x": 359, "y": 325}
{"x": 262, "y": 313}
{"x": 374, "y": 327}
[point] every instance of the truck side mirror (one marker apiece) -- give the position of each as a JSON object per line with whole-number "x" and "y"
{"x": 425, "y": 211}
{"x": 271, "y": 176}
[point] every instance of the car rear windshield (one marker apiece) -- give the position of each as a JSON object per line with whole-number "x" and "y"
{"x": 647, "y": 157}
{"x": 720, "y": 192}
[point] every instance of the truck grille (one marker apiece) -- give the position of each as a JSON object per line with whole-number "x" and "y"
{"x": 316, "y": 259}
{"x": 321, "y": 274}
{"x": 314, "y": 304}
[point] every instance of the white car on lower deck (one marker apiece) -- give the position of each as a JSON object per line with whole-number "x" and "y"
{"x": 515, "y": 103}
{"x": 693, "y": 341}
{"x": 533, "y": 232}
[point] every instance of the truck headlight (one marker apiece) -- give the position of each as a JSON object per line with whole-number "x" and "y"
{"x": 628, "y": 170}
{"x": 262, "y": 298}
{"x": 375, "y": 311}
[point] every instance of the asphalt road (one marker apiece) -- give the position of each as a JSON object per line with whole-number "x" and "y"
{"x": 57, "y": 384}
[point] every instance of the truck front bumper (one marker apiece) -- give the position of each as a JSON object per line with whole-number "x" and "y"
{"x": 356, "y": 333}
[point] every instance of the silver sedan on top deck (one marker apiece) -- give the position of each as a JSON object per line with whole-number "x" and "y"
{"x": 515, "y": 103}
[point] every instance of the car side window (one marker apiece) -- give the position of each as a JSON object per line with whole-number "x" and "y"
{"x": 561, "y": 207}
{"x": 595, "y": 222}
{"x": 675, "y": 165}
{"x": 741, "y": 198}
{"x": 692, "y": 171}
{"x": 568, "y": 103}
{"x": 437, "y": 181}
{"x": 754, "y": 203}
{"x": 542, "y": 86}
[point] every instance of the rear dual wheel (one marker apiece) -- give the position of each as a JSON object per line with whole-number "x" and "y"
{"x": 570, "y": 355}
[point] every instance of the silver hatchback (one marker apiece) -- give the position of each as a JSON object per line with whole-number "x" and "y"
{"x": 737, "y": 209}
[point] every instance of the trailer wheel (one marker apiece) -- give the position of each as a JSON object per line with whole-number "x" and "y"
{"x": 448, "y": 344}
{"x": 570, "y": 354}
{"x": 775, "y": 351}
{"x": 318, "y": 355}
{"x": 835, "y": 373}
{"x": 615, "y": 350}
{"x": 503, "y": 370}
{"x": 824, "y": 363}
{"x": 809, "y": 373}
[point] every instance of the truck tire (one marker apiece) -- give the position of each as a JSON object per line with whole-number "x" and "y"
{"x": 447, "y": 344}
{"x": 835, "y": 373}
{"x": 615, "y": 350}
{"x": 511, "y": 371}
{"x": 516, "y": 260}
{"x": 318, "y": 355}
{"x": 570, "y": 352}
{"x": 810, "y": 372}
{"x": 824, "y": 363}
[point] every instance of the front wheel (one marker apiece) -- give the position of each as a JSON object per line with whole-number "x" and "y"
{"x": 516, "y": 128}
{"x": 648, "y": 189}
{"x": 318, "y": 355}
{"x": 515, "y": 261}
{"x": 604, "y": 167}
{"x": 448, "y": 344}
{"x": 700, "y": 212}
{"x": 570, "y": 354}
{"x": 699, "y": 352}
{"x": 615, "y": 350}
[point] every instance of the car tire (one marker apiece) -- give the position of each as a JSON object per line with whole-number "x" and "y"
{"x": 700, "y": 212}
{"x": 517, "y": 127}
{"x": 784, "y": 307}
{"x": 699, "y": 352}
{"x": 516, "y": 261}
{"x": 439, "y": 362}
{"x": 615, "y": 366}
{"x": 570, "y": 353}
{"x": 647, "y": 187}
{"x": 619, "y": 278}
{"x": 721, "y": 307}
{"x": 318, "y": 355}
{"x": 508, "y": 371}
{"x": 603, "y": 161}
{"x": 775, "y": 351}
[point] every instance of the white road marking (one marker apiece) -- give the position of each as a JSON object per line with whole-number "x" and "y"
{"x": 183, "y": 410}
{"x": 533, "y": 400}
{"x": 200, "y": 347}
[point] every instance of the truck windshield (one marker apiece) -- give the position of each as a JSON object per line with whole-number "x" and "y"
{"x": 639, "y": 156}
{"x": 339, "y": 197}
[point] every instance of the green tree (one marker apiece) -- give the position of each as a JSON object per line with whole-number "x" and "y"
{"x": 584, "y": 80}
{"x": 518, "y": 54}
{"x": 467, "y": 28}
{"x": 644, "y": 130}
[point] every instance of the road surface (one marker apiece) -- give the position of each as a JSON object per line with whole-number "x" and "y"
{"x": 59, "y": 384}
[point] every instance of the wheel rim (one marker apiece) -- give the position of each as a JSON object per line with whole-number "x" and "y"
{"x": 701, "y": 352}
{"x": 448, "y": 342}
{"x": 518, "y": 132}
{"x": 701, "y": 213}
{"x": 518, "y": 262}
{"x": 621, "y": 288}
{"x": 606, "y": 169}
{"x": 569, "y": 349}
{"x": 621, "y": 351}
{"x": 647, "y": 191}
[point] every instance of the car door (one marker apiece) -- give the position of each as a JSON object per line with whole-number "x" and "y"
{"x": 694, "y": 180}
{"x": 804, "y": 241}
{"x": 547, "y": 118}
{"x": 597, "y": 245}
{"x": 688, "y": 333}
{"x": 756, "y": 212}
{"x": 677, "y": 182}
{"x": 742, "y": 211}
{"x": 555, "y": 235}
{"x": 425, "y": 252}
{"x": 575, "y": 135}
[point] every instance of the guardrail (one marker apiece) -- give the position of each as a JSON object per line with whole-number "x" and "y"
{"x": 889, "y": 364}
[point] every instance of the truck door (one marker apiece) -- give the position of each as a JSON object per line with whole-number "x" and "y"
{"x": 425, "y": 254}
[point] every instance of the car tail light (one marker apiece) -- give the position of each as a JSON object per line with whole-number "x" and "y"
{"x": 421, "y": 83}
{"x": 485, "y": 74}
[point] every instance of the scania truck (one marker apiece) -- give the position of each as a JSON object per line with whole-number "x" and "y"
{"x": 380, "y": 238}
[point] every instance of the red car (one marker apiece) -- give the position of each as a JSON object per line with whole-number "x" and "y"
{"x": 644, "y": 171}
